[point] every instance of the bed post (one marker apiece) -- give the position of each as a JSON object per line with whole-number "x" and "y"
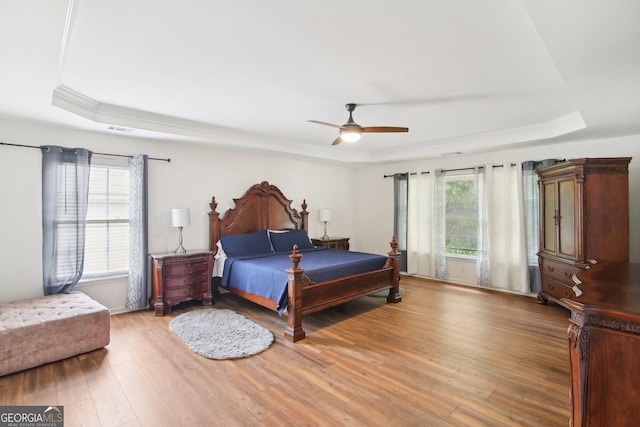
{"x": 214, "y": 226}
{"x": 394, "y": 293}
{"x": 294, "y": 331}
{"x": 305, "y": 215}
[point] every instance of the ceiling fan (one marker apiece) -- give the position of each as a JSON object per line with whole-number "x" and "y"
{"x": 351, "y": 131}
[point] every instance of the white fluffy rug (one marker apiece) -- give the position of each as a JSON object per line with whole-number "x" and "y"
{"x": 221, "y": 333}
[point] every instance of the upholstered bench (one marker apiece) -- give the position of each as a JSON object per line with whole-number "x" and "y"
{"x": 46, "y": 329}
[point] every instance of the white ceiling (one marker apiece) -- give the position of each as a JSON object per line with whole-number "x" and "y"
{"x": 462, "y": 75}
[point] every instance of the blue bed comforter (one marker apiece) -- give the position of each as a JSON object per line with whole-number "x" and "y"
{"x": 265, "y": 275}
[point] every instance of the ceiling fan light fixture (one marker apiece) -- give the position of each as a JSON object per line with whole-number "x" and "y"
{"x": 350, "y": 136}
{"x": 351, "y": 131}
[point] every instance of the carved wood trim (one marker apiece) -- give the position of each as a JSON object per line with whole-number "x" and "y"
{"x": 263, "y": 206}
{"x": 607, "y": 322}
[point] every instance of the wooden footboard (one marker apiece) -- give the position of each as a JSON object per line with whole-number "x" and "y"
{"x": 307, "y": 297}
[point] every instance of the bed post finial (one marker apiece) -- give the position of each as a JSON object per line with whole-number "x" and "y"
{"x": 394, "y": 245}
{"x": 213, "y": 205}
{"x": 295, "y": 258}
{"x": 305, "y": 215}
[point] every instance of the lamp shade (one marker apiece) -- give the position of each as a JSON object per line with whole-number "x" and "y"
{"x": 180, "y": 217}
{"x": 324, "y": 215}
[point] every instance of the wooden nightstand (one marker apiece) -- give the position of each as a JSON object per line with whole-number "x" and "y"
{"x": 332, "y": 242}
{"x": 180, "y": 277}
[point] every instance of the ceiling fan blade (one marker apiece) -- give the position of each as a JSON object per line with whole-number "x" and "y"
{"x": 337, "y": 141}
{"x": 325, "y": 123}
{"x": 373, "y": 129}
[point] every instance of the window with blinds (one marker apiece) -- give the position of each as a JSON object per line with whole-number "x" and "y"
{"x": 107, "y": 232}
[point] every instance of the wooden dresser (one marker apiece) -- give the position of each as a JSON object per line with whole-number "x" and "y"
{"x": 604, "y": 346}
{"x": 584, "y": 219}
{"x": 180, "y": 277}
{"x": 332, "y": 242}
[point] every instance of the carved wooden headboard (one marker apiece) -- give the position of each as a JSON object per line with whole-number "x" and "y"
{"x": 262, "y": 207}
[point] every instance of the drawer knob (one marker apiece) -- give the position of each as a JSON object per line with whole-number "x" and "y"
{"x": 550, "y": 268}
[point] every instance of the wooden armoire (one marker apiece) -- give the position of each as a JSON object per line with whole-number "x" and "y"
{"x": 584, "y": 219}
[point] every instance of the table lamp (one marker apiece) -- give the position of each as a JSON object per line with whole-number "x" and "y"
{"x": 180, "y": 218}
{"x": 325, "y": 216}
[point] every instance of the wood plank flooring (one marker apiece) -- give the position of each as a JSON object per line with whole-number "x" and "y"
{"x": 445, "y": 356}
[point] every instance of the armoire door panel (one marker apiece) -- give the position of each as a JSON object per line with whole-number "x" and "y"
{"x": 549, "y": 218}
{"x": 567, "y": 223}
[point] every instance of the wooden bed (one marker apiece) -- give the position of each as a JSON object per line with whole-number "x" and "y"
{"x": 264, "y": 207}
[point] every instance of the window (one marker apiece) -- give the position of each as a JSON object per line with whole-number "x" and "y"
{"x": 461, "y": 215}
{"x": 107, "y": 233}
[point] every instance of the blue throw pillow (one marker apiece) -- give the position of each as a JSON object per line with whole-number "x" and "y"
{"x": 283, "y": 242}
{"x": 237, "y": 245}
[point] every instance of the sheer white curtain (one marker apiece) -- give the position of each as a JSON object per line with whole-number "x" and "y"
{"x": 439, "y": 226}
{"x": 483, "y": 258}
{"x": 420, "y": 253}
{"x": 507, "y": 252}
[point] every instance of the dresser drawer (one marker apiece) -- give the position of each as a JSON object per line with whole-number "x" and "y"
{"x": 556, "y": 289}
{"x": 186, "y": 268}
{"x": 559, "y": 271}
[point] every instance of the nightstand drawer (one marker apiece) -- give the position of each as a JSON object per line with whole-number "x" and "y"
{"x": 332, "y": 242}
{"x": 188, "y": 268}
{"x": 185, "y": 280}
{"x": 185, "y": 292}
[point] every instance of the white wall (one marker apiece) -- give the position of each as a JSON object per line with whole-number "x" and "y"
{"x": 195, "y": 174}
{"x": 374, "y": 194}
{"x": 361, "y": 200}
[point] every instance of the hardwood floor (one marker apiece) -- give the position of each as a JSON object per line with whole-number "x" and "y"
{"x": 445, "y": 356}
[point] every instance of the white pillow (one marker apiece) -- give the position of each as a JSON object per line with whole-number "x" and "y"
{"x": 218, "y": 261}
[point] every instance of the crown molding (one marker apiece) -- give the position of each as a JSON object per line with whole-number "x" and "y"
{"x": 470, "y": 143}
{"x": 114, "y": 115}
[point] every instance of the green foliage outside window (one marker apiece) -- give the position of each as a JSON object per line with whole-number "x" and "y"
{"x": 461, "y": 216}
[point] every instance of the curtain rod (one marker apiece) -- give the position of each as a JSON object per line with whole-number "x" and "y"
{"x": 444, "y": 170}
{"x": 168, "y": 160}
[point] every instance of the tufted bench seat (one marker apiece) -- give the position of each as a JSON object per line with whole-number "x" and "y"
{"x": 46, "y": 329}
